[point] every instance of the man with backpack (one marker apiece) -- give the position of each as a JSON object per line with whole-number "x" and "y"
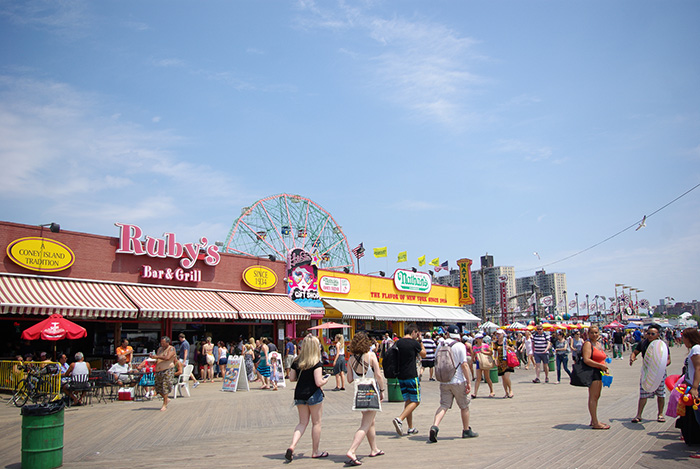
{"x": 452, "y": 371}
{"x": 409, "y": 347}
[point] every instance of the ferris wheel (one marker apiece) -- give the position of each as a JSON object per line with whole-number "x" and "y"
{"x": 275, "y": 225}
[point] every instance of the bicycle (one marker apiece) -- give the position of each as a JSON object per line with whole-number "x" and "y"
{"x": 31, "y": 387}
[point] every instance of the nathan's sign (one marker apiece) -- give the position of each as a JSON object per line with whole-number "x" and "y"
{"x": 406, "y": 280}
{"x": 465, "y": 282}
{"x": 130, "y": 243}
{"x": 259, "y": 277}
{"x": 334, "y": 284}
{"x": 41, "y": 254}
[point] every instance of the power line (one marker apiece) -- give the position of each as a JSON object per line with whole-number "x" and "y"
{"x": 618, "y": 233}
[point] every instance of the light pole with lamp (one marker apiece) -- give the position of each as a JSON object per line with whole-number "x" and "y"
{"x": 588, "y": 309}
{"x": 577, "y": 313}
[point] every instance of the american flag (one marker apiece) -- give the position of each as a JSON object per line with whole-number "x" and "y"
{"x": 359, "y": 251}
{"x": 442, "y": 266}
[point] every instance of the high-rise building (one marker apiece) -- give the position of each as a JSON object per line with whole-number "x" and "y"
{"x": 486, "y": 285}
{"x": 553, "y": 284}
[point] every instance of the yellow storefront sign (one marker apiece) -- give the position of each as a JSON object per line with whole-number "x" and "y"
{"x": 41, "y": 254}
{"x": 369, "y": 288}
{"x": 259, "y": 277}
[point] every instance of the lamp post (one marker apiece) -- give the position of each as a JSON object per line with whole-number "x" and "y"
{"x": 566, "y": 304}
{"x": 588, "y": 309}
{"x": 576, "y": 303}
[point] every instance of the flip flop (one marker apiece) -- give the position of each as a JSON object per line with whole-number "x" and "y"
{"x": 289, "y": 455}
{"x": 322, "y": 455}
{"x": 636, "y": 420}
{"x": 378, "y": 453}
{"x": 353, "y": 462}
{"x": 661, "y": 419}
{"x": 604, "y": 426}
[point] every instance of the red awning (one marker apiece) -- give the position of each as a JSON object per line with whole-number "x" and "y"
{"x": 71, "y": 298}
{"x": 178, "y": 303}
{"x": 265, "y": 306}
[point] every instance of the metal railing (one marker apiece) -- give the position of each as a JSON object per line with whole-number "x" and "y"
{"x": 11, "y": 373}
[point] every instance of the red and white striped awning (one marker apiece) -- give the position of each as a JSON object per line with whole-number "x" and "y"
{"x": 178, "y": 303}
{"x": 265, "y": 306}
{"x": 71, "y": 298}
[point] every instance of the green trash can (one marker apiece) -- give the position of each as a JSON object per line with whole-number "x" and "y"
{"x": 493, "y": 372}
{"x": 394, "y": 390}
{"x": 551, "y": 363}
{"x": 42, "y": 436}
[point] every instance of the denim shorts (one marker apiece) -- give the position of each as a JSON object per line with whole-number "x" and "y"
{"x": 542, "y": 358}
{"x": 316, "y": 398}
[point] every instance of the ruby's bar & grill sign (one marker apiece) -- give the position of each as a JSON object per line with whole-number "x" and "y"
{"x": 188, "y": 253}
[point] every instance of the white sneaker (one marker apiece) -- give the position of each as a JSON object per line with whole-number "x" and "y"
{"x": 398, "y": 426}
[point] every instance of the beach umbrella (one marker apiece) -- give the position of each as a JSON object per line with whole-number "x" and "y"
{"x": 55, "y": 327}
{"x": 329, "y": 325}
{"x": 547, "y": 326}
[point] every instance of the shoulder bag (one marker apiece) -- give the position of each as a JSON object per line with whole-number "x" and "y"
{"x": 366, "y": 391}
{"x": 486, "y": 362}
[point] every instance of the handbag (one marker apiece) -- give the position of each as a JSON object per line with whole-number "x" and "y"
{"x": 581, "y": 374}
{"x": 512, "y": 360}
{"x": 366, "y": 394}
{"x": 485, "y": 361}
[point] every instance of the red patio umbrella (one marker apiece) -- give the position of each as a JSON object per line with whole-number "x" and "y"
{"x": 55, "y": 327}
{"x": 329, "y": 325}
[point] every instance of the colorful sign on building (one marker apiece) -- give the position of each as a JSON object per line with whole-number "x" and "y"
{"x": 302, "y": 279}
{"x": 260, "y": 277}
{"x": 330, "y": 284}
{"x": 130, "y": 243}
{"x": 417, "y": 282}
{"x": 41, "y": 254}
{"x": 466, "y": 291}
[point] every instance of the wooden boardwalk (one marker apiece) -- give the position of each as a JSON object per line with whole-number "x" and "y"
{"x": 544, "y": 424}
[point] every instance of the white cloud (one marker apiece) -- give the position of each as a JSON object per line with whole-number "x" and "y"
{"x": 59, "y": 149}
{"x": 417, "y": 64}
{"x": 65, "y": 18}
{"x": 528, "y": 151}
{"x": 169, "y": 62}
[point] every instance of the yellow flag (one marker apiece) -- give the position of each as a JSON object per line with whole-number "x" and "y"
{"x": 403, "y": 257}
{"x": 435, "y": 262}
{"x": 380, "y": 252}
{"x": 421, "y": 260}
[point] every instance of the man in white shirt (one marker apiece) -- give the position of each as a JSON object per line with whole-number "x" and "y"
{"x": 120, "y": 371}
{"x": 457, "y": 389}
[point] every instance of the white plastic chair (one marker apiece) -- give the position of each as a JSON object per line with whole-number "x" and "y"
{"x": 183, "y": 382}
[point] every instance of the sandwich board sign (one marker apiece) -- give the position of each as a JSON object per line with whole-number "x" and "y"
{"x": 235, "y": 371}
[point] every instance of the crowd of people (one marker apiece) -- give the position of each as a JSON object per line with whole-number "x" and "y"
{"x": 473, "y": 357}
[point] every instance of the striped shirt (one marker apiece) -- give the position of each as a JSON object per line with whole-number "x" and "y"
{"x": 539, "y": 342}
{"x": 429, "y": 345}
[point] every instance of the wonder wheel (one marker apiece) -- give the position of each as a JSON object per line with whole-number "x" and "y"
{"x": 275, "y": 225}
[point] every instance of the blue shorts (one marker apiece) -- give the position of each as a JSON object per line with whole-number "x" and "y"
{"x": 410, "y": 389}
{"x": 542, "y": 358}
{"x": 316, "y": 398}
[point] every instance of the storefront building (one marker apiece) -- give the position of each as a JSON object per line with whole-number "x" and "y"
{"x": 138, "y": 286}
{"x": 378, "y": 304}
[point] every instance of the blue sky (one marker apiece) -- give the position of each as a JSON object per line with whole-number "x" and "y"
{"x": 444, "y": 128}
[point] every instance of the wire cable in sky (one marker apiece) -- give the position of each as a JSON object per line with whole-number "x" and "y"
{"x": 637, "y": 223}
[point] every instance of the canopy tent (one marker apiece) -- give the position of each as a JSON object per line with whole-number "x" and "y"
{"x": 488, "y": 326}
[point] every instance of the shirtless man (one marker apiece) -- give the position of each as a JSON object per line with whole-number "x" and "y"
{"x": 165, "y": 368}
